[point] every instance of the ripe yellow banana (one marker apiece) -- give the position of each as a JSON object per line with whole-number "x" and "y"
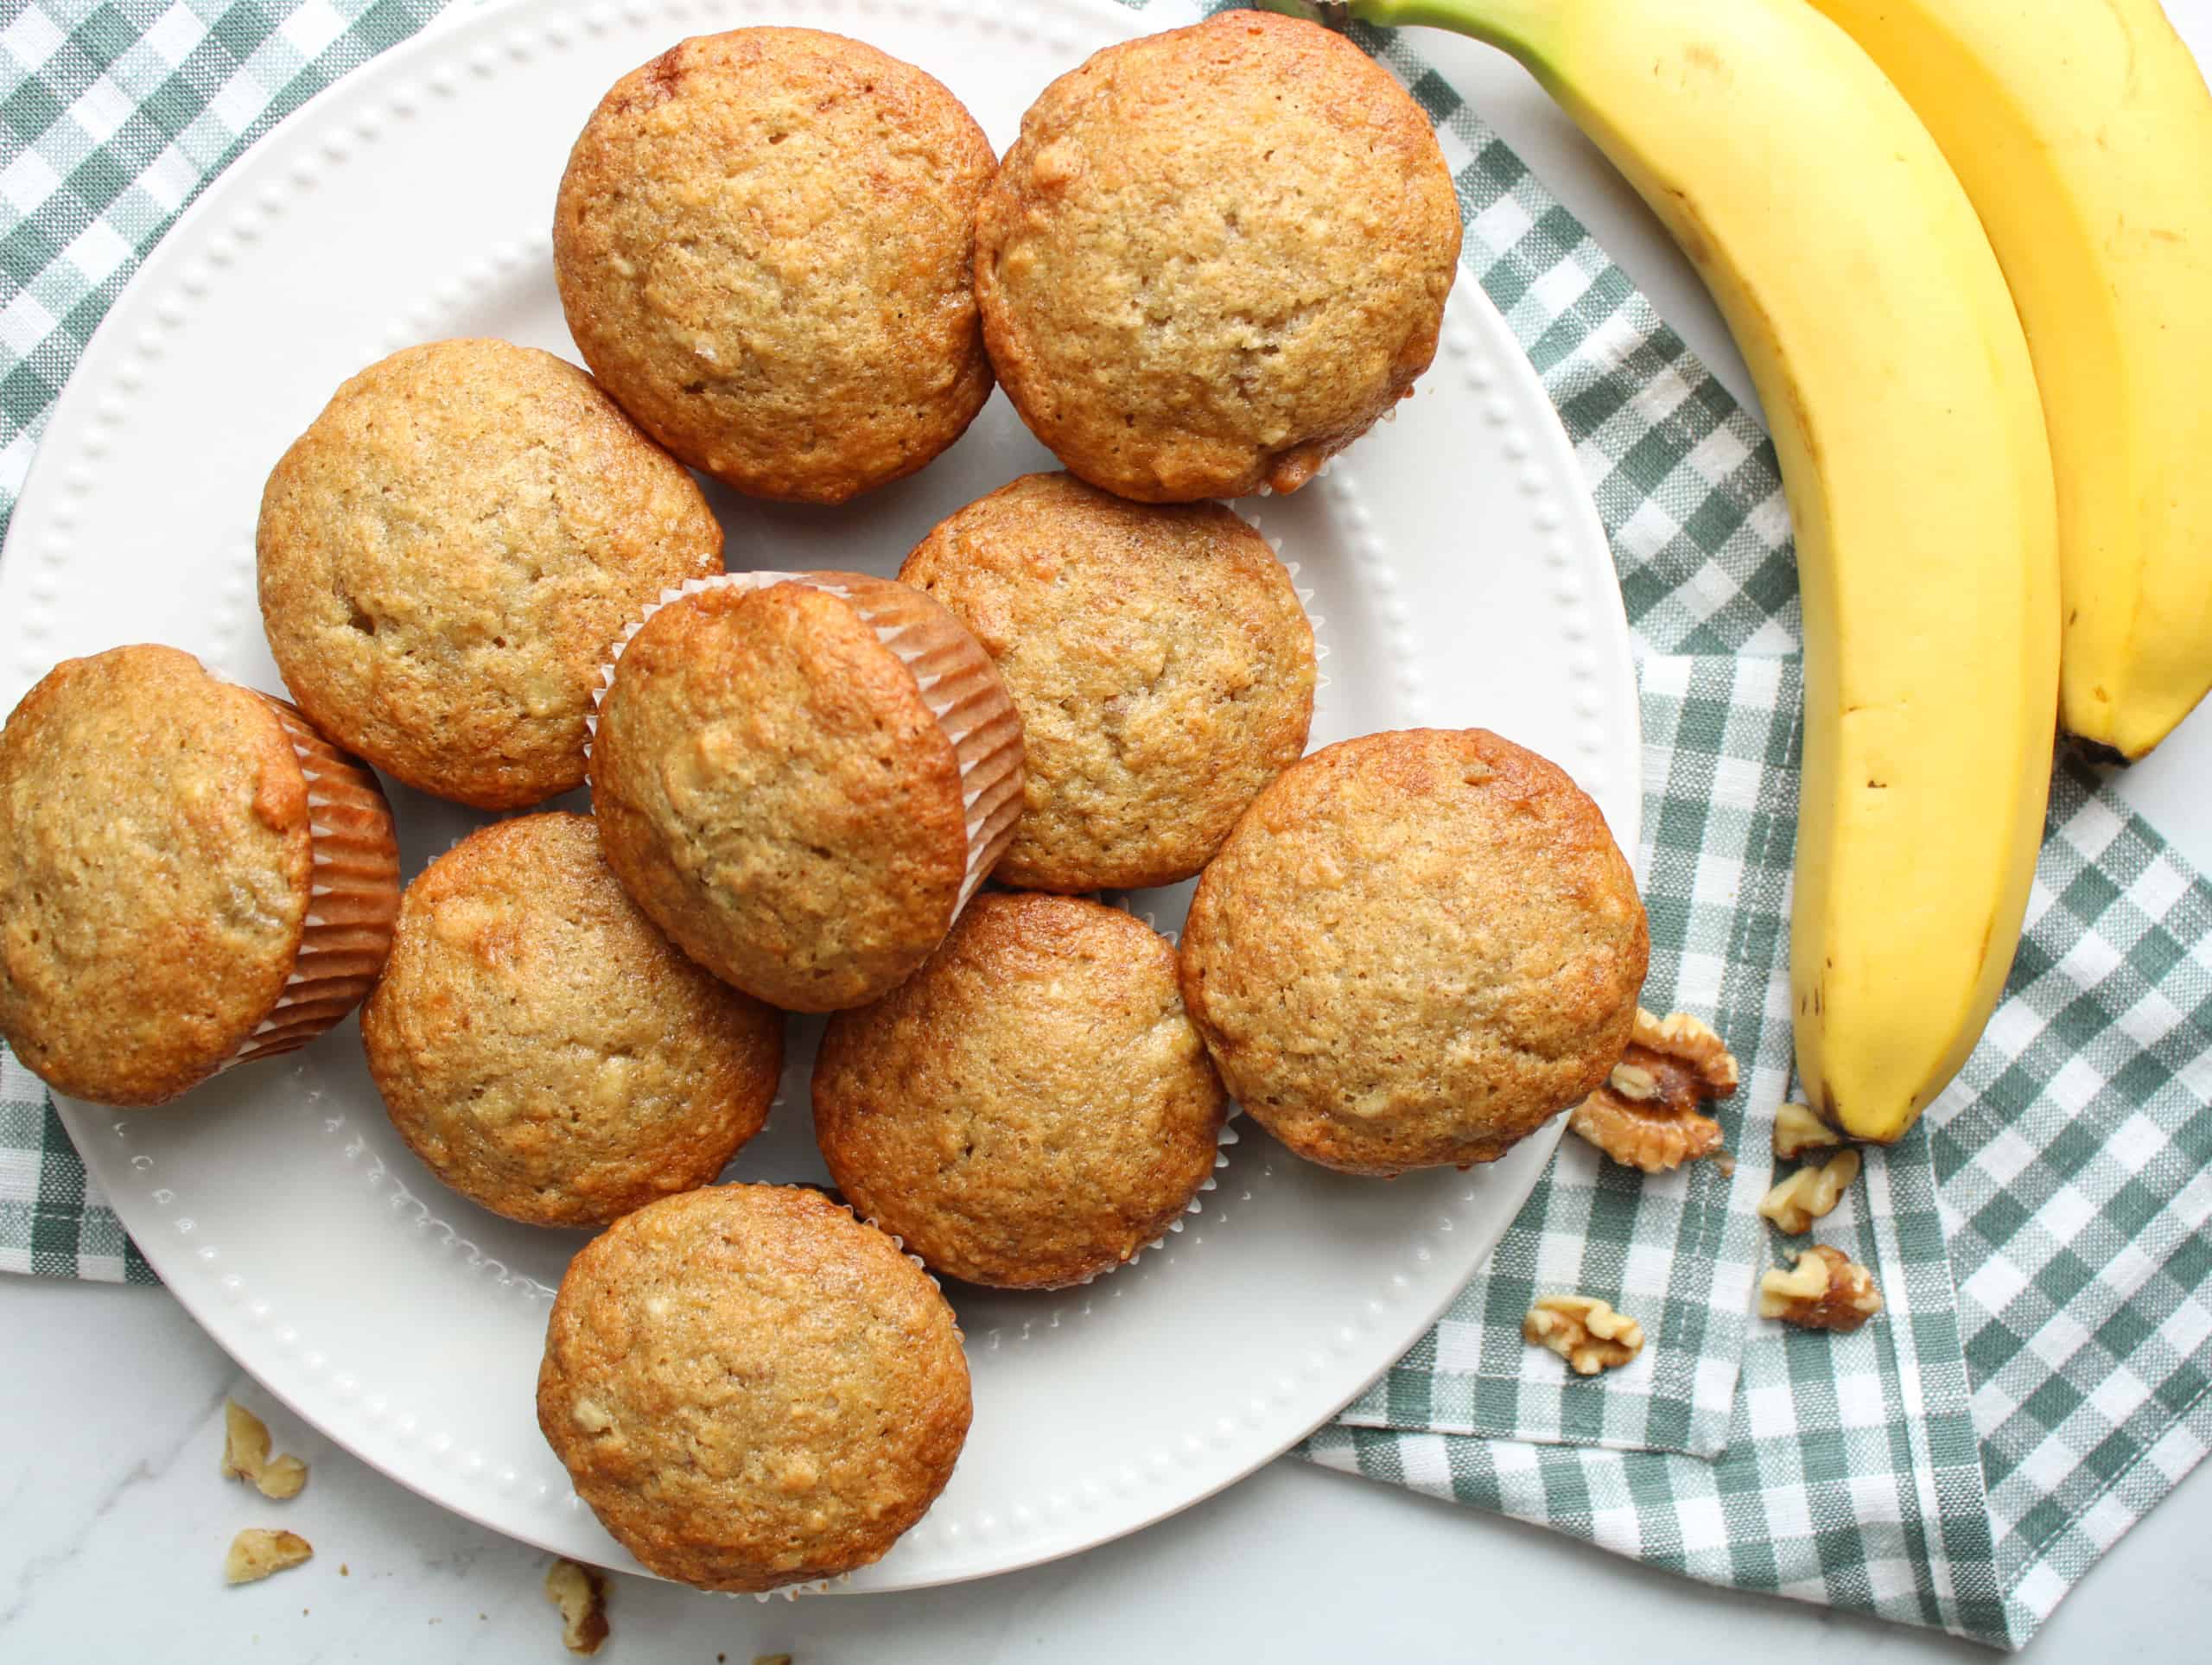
{"x": 1871, "y": 312}
{"x": 2084, "y": 140}
{"x": 2083, "y": 134}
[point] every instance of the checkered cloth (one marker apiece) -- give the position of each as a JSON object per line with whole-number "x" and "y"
{"x": 2039, "y": 1379}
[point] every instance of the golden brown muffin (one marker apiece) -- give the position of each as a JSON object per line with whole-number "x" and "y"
{"x": 1214, "y": 257}
{"x": 447, "y": 552}
{"x": 751, "y": 1389}
{"x": 800, "y": 778}
{"x": 1032, "y": 1107}
{"x": 158, "y": 852}
{"x": 763, "y": 243}
{"x": 547, "y": 1051}
{"x": 1415, "y": 949}
{"x": 1159, "y": 657}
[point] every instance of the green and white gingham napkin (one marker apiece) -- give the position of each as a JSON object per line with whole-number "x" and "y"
{"x": 2040, "y": 1378}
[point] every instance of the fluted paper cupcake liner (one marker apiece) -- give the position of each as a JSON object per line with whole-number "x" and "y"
{"x": 352, "y": 895}
{"x": 1224, "y": 1136}
{"x": 956, "y": 678}
{"x": 1318, "y": 623}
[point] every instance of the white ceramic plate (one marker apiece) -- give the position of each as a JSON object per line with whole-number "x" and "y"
{"x": 1453, "y": 554}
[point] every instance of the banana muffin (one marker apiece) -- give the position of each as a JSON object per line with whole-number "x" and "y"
{"x": 190, "y": 877}
{"x": 544, "y": 1048}
{"x": 751, "y": 1389}
{"x": 801, "y": 777}
{"x": 1032, "y": 1107}
{"x": 446, "y": 552}
{"x": 765, "y": 247}
{"x": 1415, "y": 949}
{"x": 1159, "y": 657}
{"x": 1214, "y": 257}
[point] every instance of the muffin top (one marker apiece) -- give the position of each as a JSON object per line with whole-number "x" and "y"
{"x": 774, "y": 789}
{"x": 1032, "y": 1107}
{"x": 1159, "y": 657}
{"x": 751, "y": 1389}
{"x": 763, "y": 243}
{"x": 447, "y": 552}
{"x": 154, "y": 862}
{"x": 1414, "y": 950}
{"x": 1214, "y": 256}
{"x": 544, "y": 1049}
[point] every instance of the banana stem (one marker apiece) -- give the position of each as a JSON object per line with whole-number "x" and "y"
{"x": 1512, "y": 24}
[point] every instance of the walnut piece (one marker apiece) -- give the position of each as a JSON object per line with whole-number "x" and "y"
{"x": 245, "y": 1455}
{"x": 1798, "y": 1128}
{"x": 258, "y": 1552}
{"x": 1826, "y": 1290}
{"x": 1585, "y": 1331}
{"x": 1646, "y": 1115}
{"x": 1811, "y": 1193}
{"x": 283, "y": 1478}
{"x": 581, "y": 1594}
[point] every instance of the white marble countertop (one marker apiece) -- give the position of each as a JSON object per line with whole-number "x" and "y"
{"x": 113, "y": 1520}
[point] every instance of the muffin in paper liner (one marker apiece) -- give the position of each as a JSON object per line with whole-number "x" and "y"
{"x": 822, "y": 1587}
{"x": 787, "y": 1481}
{"x": 1031, "y": 1110}
{"x": 1161, "y": 657}
{"x": 191, "y": 876}
{"x": 957, "y": 684}
{"x": 1224, "y": 1136}
{"x": 352, "y": 894}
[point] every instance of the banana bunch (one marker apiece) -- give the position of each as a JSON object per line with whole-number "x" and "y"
{"x": 1986, "y": 451}
{"x": 2083, "y": 135}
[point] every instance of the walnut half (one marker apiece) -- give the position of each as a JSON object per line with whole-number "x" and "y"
{"x": 1798, "y": 1128}
{"x": 245, "y": 1455}
{"x": 1811, "y": 1193}
{"x": 257, "y": 1552}
{"x": 581, "y": 1594}
{"x": 1646, "y": 1115}
{"x": 1826, "y": 1290}
{"x": 1585, "y": 1331}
